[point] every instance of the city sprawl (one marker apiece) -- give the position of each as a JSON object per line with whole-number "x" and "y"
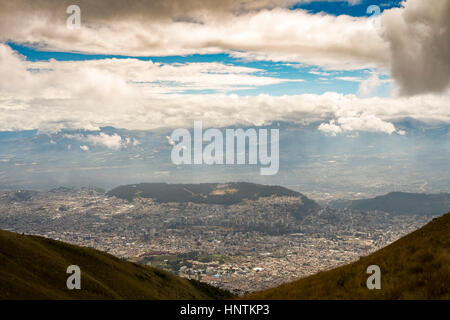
{"x": 242, "y": 247}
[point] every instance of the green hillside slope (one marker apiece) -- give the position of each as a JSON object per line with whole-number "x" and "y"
{"x": 416, "y": 266}
{"x": 33, "y": 267}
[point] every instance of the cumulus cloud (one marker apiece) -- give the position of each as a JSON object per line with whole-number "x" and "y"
{"x": 332, "y": 128}
{"x": 159, "y": 10}
{"x": 369, "y": 85}
{"x": 116, "y": 75}
{"x": 368, "y": 123}
{"x": 113, "y": 141}
{"x": 110, "y": 141}
{"x": 195, "y": 11}
{"x": 412, "y": 40}
{"x": 51, "y": 96}
{"x": 133, "y": 94}
{"x": 250, "y": 29}
{"x": 419, "y": 42}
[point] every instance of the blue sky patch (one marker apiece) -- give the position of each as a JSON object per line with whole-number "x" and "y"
{"x": 337, "y": 8}
{"x": 312, "y": 79}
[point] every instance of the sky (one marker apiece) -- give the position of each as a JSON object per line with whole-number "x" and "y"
{"x": 340, "y": 70}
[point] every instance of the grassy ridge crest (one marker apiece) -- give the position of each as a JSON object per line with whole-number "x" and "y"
{"x": 34, "y": 267}
{"x": 416, "y": 266}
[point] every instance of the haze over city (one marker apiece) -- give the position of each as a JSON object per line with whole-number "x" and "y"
{"x": 360, "y": 98}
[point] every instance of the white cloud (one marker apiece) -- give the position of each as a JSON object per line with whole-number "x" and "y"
{"x": 110, "y": 141}
{"x": 369, "y": 85}
{"x": 113, "y": 141}
{"x": 365, "y": 122}
{"x": 412, "y": 41}
{"x": 116, "y": 75}
{"x": 270, "y": 32}
{"x": 110, "y": 92}
{"x": 330, "y": 128}
{"x": 418, "y": 37}
{"x": 319, "y": 73}
{"x": 350, "y": 79}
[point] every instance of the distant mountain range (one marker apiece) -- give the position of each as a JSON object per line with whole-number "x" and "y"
{"x": 212, "y": 193}
{"x": 416, "y": 266}
{"x": 400, "y": 203}
{"x": 235, "y": 192}
{"x": 34, "y": 267}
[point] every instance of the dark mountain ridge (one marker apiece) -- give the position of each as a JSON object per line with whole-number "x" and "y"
{"x": 400, "y": 203}
{"x": 211, "y": 193}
